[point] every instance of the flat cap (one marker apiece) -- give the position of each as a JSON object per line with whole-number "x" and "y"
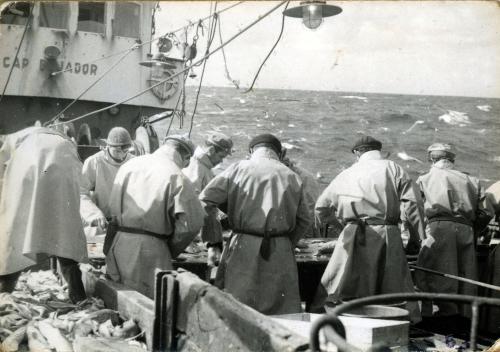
{"x": 441, "y": 147}
{"x": 439, "y": 150}
{"x": 220, "y": 140}
{"x": 367, "y": 141}
{"x": 183, "y": 141}
{"x": 268, "y": 139}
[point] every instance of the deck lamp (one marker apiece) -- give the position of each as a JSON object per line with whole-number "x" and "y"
{"x": 158, "y": 63}
{"x": 312, "y": 12}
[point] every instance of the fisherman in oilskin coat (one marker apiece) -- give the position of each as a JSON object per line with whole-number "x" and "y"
{"x": 370, "y": 198}
{"x": 266, "y": 209}
{"x": 492, "y": 274}
{"x": 454, "y": 206}
{"x": 98, "y": 174}
{"x": 157, "y": 215}
{"x": 39, "y": 207}
{"x": 199, "y": 171}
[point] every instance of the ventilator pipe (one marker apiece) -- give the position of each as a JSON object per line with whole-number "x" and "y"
{"x": 458, "y": 278}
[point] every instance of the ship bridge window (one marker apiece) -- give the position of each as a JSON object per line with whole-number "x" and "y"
{"x": 127, "y": 19}
{"x": 15, "y": 13}
{"x": 91, "y": 17}
{"x": 54, "y": 14}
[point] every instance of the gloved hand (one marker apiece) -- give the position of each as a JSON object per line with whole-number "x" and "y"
{"x": 213, "y": 257}
{"x": 100, "y": 222}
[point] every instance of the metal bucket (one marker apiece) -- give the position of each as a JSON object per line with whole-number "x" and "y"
{"x": 375, "y": 312}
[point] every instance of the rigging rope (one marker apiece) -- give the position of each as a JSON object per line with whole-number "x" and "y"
{"x": 187, "y": 68}
{"x": 269, "y": 54}
{"x": 211, "y": 36}
{"x": 149, "y": 41}
{"x": 28, "y": 22}
{"x": 181, "y": 96}
{"x": 228, "y": 76}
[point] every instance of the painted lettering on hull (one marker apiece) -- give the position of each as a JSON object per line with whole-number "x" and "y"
{"x": 17, "y": 62}
{"x": 68, "y": 66}
{"x": 52, "y": 65}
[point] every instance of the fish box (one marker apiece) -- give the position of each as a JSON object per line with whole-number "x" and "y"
{"x": 360, "y": 332}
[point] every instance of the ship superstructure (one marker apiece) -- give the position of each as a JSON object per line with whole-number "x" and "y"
{"x": 52, "y": 52}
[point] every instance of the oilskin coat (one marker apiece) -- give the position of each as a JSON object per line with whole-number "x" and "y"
{"x": 311, "y": 192}
{"x": 39, "y": 200}
{"x": 490, "y": 318}
{"x": 98, "y": 174}
{"x": 199, "y": 171}
{"x": 260, "y": 195}
{"x": 370, "y": 261}
{"x": 151, "y": 193}
{"x": 450, "y": 245}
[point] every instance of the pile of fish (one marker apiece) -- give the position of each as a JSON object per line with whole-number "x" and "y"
{"x": 38, "y": 316}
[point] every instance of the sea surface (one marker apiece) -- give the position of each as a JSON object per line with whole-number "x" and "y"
{"x": 318, "y": 128}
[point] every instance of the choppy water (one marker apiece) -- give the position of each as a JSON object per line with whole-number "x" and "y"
{"x": 319, "y": 128}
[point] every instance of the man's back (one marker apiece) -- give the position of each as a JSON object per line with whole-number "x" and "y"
{"x": 369, "y": 258}
{"x": 267, "y": 213}
{"x": 372, "y": 186}
{"x": 145, "y": 188}
{"x": 449, "y": 192}
{"x": 158, "y": 215}
{"x": 263, "y": 194}
{"x": 39, "y": 203}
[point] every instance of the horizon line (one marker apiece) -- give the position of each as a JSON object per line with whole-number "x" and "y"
{"x": 242, "y": 90}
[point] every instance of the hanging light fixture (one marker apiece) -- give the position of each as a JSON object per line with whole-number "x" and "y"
{"x": 312, "y": 12}
{"x": 159, "y": 62}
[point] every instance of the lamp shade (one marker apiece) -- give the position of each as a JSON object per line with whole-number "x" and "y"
{"x": 160, "y": 61}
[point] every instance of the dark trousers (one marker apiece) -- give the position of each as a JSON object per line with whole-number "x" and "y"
{"x": 70, "y": 272}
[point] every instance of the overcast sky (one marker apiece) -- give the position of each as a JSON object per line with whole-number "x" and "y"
{"x": 408, "y": 47}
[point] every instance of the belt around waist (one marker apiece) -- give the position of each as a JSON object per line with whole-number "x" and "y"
{"x": 369, "y": 222}
{"x": 460, "y": 220}
{"x": 265, "y": 247}
{"x": 268, "y": 234}
{"x": 141, "y": 232}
